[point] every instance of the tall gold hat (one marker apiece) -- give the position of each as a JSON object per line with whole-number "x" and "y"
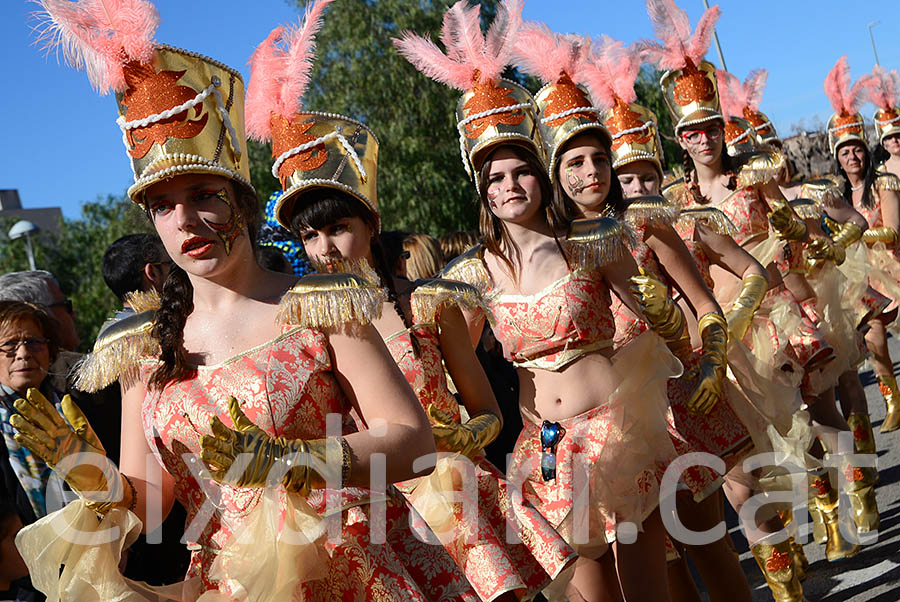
{"x": 742, "y": 100}
{"x": 740, "y": 136}
{"x": 846, "y": 123}
{"x": 179, "y": 112}
{"x": 762, "y": 125}
{"x": 884, "y": 95}
{"x": 691, "y": 94}
{"x": 635, "y": 136}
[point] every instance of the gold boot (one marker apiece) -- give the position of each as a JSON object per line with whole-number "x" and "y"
{"x": 801, "y": 563}
{"x": 861, "y": 493}
{"x": 836, "y": 547}
{"x": 863, "y": 437}
{"x": 777, "y": 565}
{"x": 820, "y": 536}
{"x": 888, "y": 386}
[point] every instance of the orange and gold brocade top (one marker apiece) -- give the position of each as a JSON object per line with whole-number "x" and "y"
{"x": 884, "y": 181}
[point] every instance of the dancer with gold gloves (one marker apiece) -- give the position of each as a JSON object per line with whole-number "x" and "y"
{"x": 334, "y": 213}
{"x": 885, "y": 94}
{"x": 594, "y": 419}
{"x": 202, "y": 389}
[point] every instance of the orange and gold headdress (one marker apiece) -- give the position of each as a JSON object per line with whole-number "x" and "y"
{"x": 179, "y": 112}
{"x": 565, "y": 108}
{"x": 741, "y": 100}
{"x": 740, "y": 133}
{"x": 689, "y": 85}
{"x": 312, "y": 150}
{"x": 847, "y": 123}
{"x": 883, "y": 95}
{"x": 492, "y": 110}
{"x": 610, "y": 73}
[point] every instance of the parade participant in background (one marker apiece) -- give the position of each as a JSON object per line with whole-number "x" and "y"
{"x": 425, "y": 256}
{"x": 198, "y": 385}
{"x": 884, "y": 94}
{"x": 593, "y": 415}
{"x": 334, "y": 212}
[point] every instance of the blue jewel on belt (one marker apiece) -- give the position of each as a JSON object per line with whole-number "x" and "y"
{"x": 551, "y": 434}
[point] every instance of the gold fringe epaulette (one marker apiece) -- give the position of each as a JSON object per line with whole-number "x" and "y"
{"x": 806, "y": 208}
{"x": 761, "y": 167}
{"x": 469, "y": 268}
{"x": 329, "y": 300}
{"x": 597, "y": 242}
{"x": 119, "y": 347}
{"x": 887, "y": 181}
{"x": 674, "y": 192}
{"x": 429, "y": 296}
{"x": 357, "y": 267}
{"x": 650, "y": 210}
{"x": 141, "y": 301}
{"x": 827, "y": 192}
{"x": 711, "y": 217}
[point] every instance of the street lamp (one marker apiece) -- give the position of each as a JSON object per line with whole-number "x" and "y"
{"x": 872, "y": 36}
{"x": 25, "y": 228}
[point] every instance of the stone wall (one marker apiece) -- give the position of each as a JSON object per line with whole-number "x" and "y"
{"x": 810, "y": 154}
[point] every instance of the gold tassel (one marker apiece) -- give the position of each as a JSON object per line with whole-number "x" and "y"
{"x": 806, "y": 209}
{"x": 430, "y": 296}
{"x": 887, "y": 181}
{"x": 329, "y": 300}
{"x": 357, "y": 267}
{"x": 760, "y": 168}
{"x": 712, "y": 218}
{"x": 597, "y": 242}
{"x": 469, "y": 268}
{"x": 120, "y": 347}
{"x": 650, "y": 210}
{"x": 827, "y": 191}
{"x": 141, "y": 301}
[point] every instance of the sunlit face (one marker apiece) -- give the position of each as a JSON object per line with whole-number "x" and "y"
{"x": 24, "y": 355}
{"x": 348, "y": 238}
{"x": 892, "y": 144}
{"x": 639, "y": 178}
{"x": 852, "y": 157}
{"x": 513, "y": 188}
{"x": 703, "y": 142}
{"x": 585, "y": 170}
{"x": 197, "y": 218}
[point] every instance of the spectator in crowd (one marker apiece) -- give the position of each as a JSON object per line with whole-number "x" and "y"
{"x": 394, "y": 254}
{"x": 425, "y": 256}
{"x": 41, "y": 288}
{"x": 135, "y": 262}
{"x": 457, "y": 243}
{"x": 271, "y": 258}
{"x": 14, "y": 585}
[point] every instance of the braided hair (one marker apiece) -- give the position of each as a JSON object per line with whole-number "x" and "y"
{"x": 729, "y": 167}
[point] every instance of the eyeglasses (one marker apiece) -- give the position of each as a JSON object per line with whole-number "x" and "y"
{"x": 551, "y": 434}
{"x": 713, "y": 132}
{"x": 67, "y": 305}
{"x": 33, "y": 345}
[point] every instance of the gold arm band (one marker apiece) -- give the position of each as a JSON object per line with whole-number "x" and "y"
{"x": 884, "y": 234}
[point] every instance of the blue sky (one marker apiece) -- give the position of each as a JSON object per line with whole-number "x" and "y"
{"x": 61, "y": 145}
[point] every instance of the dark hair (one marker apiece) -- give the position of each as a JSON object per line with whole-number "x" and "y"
{"x": 177, "y": 299}
{"x": 615, "y": 198}
{"x": 16, "y": 311}
{"x": 392, "y": 245}
{"x": 880, "y": 154}
{"x": 124, "y": 260}
{"x": 729, "y": 167}
{"x": 871, "y": 173}
{"x": 271, "y": 258}
{"x": 558, "y": 212}
{"x": 325, "y": 206}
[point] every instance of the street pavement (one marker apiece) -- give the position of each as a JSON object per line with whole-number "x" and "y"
{"x": 874, "y": 574}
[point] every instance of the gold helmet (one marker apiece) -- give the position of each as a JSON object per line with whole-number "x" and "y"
{"x": 740, "y": 137}
{"x": 691, "y": 94}
{"x": 846, "y": 123}
{"x": 883, "y": 94}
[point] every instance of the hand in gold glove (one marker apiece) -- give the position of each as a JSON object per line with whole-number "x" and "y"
{"x": 846, "y": 234}
{"x": 740, "y": 316}
{"x": 245, "y": 455}
{"x": 663, "y": 315}
{"x": 710, "y": 372}
{"x": 467, "y": 439}
{"x": 884, "y": 234}
{"x": 43, "y": 431}
{"x": 823, "y": 249}
{"x": 786, "y": 223}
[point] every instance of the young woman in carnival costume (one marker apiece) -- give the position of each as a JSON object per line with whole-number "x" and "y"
{"x": 276, "y": 387}
{"x": 593, "y": 449}
{"x": 884, "y": 95}
{"x": 332, "y": 208}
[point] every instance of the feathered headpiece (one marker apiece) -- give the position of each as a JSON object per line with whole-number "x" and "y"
{"x": 883, "y": 95}
{"x": 492, "y": 110}
{"x": 610, "y": 74}
{"x": 734, "y": 99}
{"x": 549, "y": 55}
{"x": 179, "y": 112}
{"x": 689, "y": 85}
{"x": 846, "y": 123}
{"x": 99, "y": 36}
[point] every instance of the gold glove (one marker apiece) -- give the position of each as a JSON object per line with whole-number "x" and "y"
{"x": 786, "y": 223}
{"x": 307, "y": 462}
{"x": 821, "y": 249}
{"x": 884, "y": 234}
{"x": 663, "y": 315}
{"x": 43, "y": 431}
{"x": 740, "y": 316}
{"x": 466, "y": 439}
{"x": 711, "y": 370}
{"x": 847, "y": 234}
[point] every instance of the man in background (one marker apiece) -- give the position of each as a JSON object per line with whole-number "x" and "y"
{"x": 135, "y": 262}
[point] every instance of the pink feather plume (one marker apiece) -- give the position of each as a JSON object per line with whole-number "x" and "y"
{"x": 610, "y": 72}
{"x": 279, "y": 72}
{"x": 753, "y": 88}
{"x": 885, "y": 87}
{"x": 673, "y": 29}
{"x": 467, "y": 50}
{"x": 99, "y": 36}
{"x": 730, "y": 94}
{"x": 543, "y": 53}
{"x": 846, "y": 99}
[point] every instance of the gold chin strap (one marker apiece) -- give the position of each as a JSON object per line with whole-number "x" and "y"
{"x": 740, "y": 316}
{"x": 662, "y": 313}
{"x": 884, "y": 234}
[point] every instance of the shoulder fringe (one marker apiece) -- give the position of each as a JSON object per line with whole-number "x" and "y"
{"x": 356, "y": 267}
{"x": 120, "y": 347}
{"x": 650, "y": 210}
{"x": 431, "y": 295}
{"x": 469, "y": 268}
{"x": 806, "y": 208}
{"x": 761, "y": 167}
{"x": 711, "y": 217}
{"x": 141, "y": 301}
{"x": 887, "y": 181}
{"x": 674, "y": 192}
{"x": 328, "y": 300}
{"x": 597, "y": 242}
{"x": 826, "y": 192}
